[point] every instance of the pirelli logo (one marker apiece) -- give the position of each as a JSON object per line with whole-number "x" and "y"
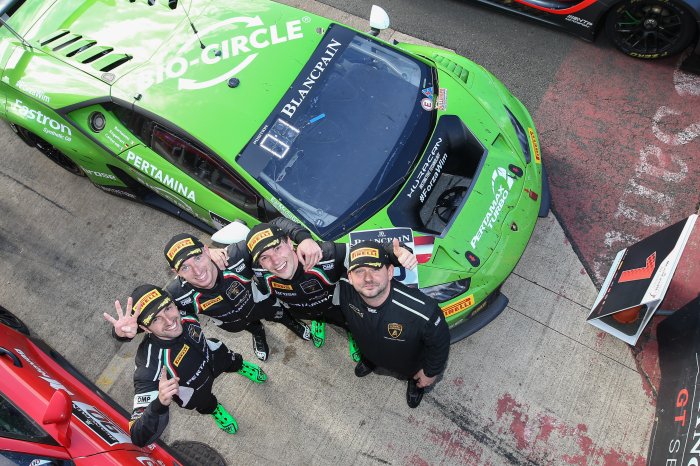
{"x": 364, "y": 252}
{"x": 459, "y": 306}
{"x": 180, "y": 355}
{"x": 281, "y": 286}
{"x": 535, "y": 146}
{"x": 179, "y": 246}
{"x": 147, "y": 299}
{"x": 209, "y": 303}
{"x": 259, "y": 236}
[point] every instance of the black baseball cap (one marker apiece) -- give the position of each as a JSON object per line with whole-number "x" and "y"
{"x": 368, "y": 254}
{"x": 152, "y": 300}
{"x": 263, "y": 237}
{"x": 180, "y": 247}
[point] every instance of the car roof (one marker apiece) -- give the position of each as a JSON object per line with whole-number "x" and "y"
{"x": 176, "y": 63}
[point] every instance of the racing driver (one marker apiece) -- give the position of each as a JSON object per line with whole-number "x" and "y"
{"x": 176, "y": 362}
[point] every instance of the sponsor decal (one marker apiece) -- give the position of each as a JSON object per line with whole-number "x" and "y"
{"x": 501, "y": 184}
{"x": 458, "y": 306}
{"x": 146, "y": 461}
{"x": 99, "y": 424}
{"x": 283, "y": 209}
{"x": 281, "y": 286}
{"x": 180, "y": 355}
{"x": 311, "y": 286}
{"x": 427, "y": 104}
{"x": 210, "y": 302}
{"x": 228, "y": 57}
{"x": 51, "y": 126}
{"x": 579, "y": 21}
{"x": 261, "y": 235}
{"x": 100, "y": 174}
{"x": 179, "y": 246}
{"x": 441, "y": 103}
{"x": 364, "y": 252}
{"x": 141, "y": 400}
{"x": 395, "y": 330}
{"x": 56, "y": 385}
{"x": 117, "y": 192}
{"x": 32, "y": 91}
{"x": 356, "y": 310}
{"x": 195, "y": 332}
{"x": 429, "y": 172}
{"x": 640, "y": 273}
{"x": 157, "y": 174}
{"x": 314, "y": 75}
{"x": 535, "y": 146}
{"x": 428, "y": 92}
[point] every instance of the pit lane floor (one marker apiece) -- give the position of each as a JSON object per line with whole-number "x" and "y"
{"x": 536, "y": 386}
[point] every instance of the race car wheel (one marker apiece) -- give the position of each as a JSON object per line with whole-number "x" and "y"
{"x": 9, "y": 319}
{"x": 195, "y": 453}
{"x": 55, "y": 155}
{"x": 649, "y": 28}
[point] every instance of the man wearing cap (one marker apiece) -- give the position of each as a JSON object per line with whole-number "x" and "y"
{"x": 308, "y": 294}
{"x": 396, "y": 327}
{"x": 175, "y": 362}
{"x": 229, "y": 296}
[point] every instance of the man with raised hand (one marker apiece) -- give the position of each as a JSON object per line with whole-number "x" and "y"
{"x": 175, "y": 362}
{"x": 396, "y": 327}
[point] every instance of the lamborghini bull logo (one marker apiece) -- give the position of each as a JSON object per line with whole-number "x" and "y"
{"x": 227, "y": 57}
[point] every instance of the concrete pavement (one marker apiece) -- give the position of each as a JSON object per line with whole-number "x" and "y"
{"x": 537, "y": 386}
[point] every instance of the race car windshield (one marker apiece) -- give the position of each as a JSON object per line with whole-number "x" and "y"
{"x": 344, "y": 137}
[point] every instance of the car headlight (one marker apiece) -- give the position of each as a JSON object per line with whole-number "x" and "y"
{"x": 447, "y": 291}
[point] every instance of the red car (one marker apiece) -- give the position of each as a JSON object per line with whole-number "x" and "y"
{"x": 52, "y": 414}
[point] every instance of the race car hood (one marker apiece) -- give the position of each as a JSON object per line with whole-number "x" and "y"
{"x": 178, "y": 62}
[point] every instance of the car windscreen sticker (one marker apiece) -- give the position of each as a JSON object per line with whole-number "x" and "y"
{"x": 427, "y": 104}
{"x": 99, "y": 424}
{"x": 428, "y": 92}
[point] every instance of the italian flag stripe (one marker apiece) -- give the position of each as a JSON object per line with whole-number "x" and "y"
{"x": 424, "y": 248}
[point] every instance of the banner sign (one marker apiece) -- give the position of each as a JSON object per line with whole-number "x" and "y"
{"x": 675, "y": 438}
{"x": 637, "y": 282}
{"x": 387, "y": 235}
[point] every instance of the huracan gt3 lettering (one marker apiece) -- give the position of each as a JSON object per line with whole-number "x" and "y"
{"x": 157, "y": 174}
{"x": 51, "y": 126}
{"x": 314, "y": 75}
{"x": 217, "y": 52}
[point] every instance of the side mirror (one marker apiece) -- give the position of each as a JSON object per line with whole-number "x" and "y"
{"x": 378, "y": 20}
{"x": 232, "y": 233}
{"x": 58, "y": 412}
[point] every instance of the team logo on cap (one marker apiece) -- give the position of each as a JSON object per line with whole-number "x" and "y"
{"x": 179, "y": 246}
{"x": 364, "y": 252}
{"x": 259, "y": 236}
{"x": 395, "y": 330}
{"x": 147, "y": 299}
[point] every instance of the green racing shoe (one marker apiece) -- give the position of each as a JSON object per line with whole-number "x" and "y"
{"x": 252, "y": 372}
{"x": 355, "y": 354}
{"x": 318, "y": 333}
{"x": 224, "y": 420}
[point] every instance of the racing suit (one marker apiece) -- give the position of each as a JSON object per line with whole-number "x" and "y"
{"x": 408, "y": 332}
{"x": 191, "y": 357}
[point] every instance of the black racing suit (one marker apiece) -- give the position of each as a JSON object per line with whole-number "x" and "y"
{"x": 191, "y": 357}
{"x": 406, "y": 333}
{"x": 309, "y": 295}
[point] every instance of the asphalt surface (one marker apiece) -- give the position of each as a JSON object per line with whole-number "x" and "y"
{"x": 537, "y": 386}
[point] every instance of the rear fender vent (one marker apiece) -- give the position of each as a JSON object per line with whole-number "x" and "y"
{"x": 451, "y": 67}
{"x": 84, "y": 51}
{"x": 172, "y": 4}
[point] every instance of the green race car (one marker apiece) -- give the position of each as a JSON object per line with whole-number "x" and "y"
{"x": 217, "y": 111}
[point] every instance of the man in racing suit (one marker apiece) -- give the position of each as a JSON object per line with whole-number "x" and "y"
{"x": 308, "y": 294}
{"x": 175, "y": 362}
{"x": 396, "y": 327}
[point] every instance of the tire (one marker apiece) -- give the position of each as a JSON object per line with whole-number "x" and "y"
{"x": 10, "y": 320}
{"x": 649, "y": 29}
{"x": 55, "y": 155}
{"x": 197, "y": 453}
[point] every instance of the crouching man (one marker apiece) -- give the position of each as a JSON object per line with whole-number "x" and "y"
{"x": 175, "y": 362}
{"x": 396, "y": 327}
